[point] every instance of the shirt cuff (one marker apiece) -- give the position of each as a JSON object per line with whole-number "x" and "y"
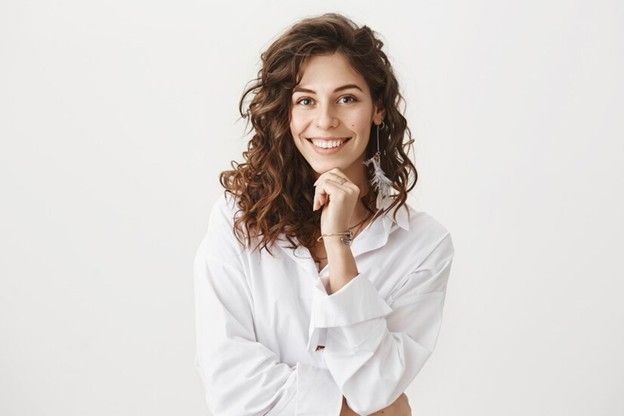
{"x": 353, "y": 309}
{"x": 317, "y": 392}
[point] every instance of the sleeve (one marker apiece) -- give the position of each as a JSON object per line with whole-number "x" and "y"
{"x": 240, "y": 375}
{"x": 373, "y": 348}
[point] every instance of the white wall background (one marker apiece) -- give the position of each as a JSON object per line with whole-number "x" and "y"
{"x": 117, "y": 116}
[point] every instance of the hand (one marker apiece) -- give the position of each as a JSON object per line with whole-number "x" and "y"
{"x": 338, "y": 196}
{"x": 400, "y": 407}
{"x": 346, "y": 410}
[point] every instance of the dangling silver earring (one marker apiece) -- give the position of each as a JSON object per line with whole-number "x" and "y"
{"x": 380, "y": 182}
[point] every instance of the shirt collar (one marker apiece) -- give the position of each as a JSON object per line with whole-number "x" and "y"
{"x": 402, "y": 213}
{"x": 375, "y": 235}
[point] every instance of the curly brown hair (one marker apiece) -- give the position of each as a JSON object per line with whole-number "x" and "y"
{"x": 274, "y": 186}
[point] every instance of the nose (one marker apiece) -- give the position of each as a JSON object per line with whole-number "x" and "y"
{"x": 325, "y": 117}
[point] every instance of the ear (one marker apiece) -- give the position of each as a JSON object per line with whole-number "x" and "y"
{"x": 378, "y": 113}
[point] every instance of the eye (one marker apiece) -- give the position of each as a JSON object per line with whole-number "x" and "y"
{"x": 351, "y": 97}
{"x": 302, "y": 99}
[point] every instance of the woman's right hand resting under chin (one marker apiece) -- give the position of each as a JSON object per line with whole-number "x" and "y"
{"x": 400, "y": 407}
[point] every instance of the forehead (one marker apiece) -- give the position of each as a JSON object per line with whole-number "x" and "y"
{"x": 323, "y": 73}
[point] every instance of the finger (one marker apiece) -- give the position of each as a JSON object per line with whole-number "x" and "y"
{"x": 319, "y": 201}
{"x": 336, "y": 174}
{"x": 343, "y": 190}
{"x": 342, "y": 179}
{"x": 347, "y": 185}
{"x": 404, "y": 406}
{"x": 339, "y": 173}
{"x": 326, "y": 189}
{"x": 319, "y": 198}
{"x": 339, "y": 178}
{"x": 335, "y": 183}
{"x": 321, "y": 195}
{"x": 333, "y": 174}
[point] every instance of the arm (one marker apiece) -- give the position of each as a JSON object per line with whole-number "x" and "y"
{"x": 342, "y": 264}
{"x": 240, "y": 375}
{"x": 400, "y": 407}
{"x": 374, "y": 350}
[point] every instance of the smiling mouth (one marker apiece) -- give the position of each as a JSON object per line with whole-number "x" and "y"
{"x": 328, "y": 144}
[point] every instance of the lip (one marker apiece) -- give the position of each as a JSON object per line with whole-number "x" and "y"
{"x": 328, "y": 138}
{"x": 330, "y": 151}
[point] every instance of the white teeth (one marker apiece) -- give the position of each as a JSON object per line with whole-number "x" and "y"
{"x": 328, "y": 144}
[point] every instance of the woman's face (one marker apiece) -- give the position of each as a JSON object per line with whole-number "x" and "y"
{"x": 331, "y": 103}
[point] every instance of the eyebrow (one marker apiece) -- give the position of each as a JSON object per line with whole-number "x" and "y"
{"x": 344, "y": 87}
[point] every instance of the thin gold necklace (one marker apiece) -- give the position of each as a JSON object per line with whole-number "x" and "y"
{"x": 361, "y": 223}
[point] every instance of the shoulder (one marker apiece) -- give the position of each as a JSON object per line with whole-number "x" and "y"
{"x": 425, "y": 224}
{"x": 427, "y": 236}
{"x": 224, "y": 209}
{"x": 219, "y": 239}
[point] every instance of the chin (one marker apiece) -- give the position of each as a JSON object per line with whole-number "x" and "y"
{"x": 321, "y": 168}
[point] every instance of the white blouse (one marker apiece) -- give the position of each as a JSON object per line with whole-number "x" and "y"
{"x": 260, "y": 318}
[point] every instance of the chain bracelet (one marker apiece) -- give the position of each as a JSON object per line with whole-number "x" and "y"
{"x": 346, "y": 237}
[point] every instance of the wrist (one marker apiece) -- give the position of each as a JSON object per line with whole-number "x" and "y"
{"x": 336, "y": 244}
{"x": 343, "y": 237}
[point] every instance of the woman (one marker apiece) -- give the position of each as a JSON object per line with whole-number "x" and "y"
{"x": 312, "y": 297}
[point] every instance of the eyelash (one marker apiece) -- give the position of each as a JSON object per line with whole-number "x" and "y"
{"x": 344, "y": 96}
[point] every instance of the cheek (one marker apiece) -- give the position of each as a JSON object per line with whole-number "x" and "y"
{"x": 296, "y": 130}
{"x": 297, "y": 124}
{"x": 358, "y": 122}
